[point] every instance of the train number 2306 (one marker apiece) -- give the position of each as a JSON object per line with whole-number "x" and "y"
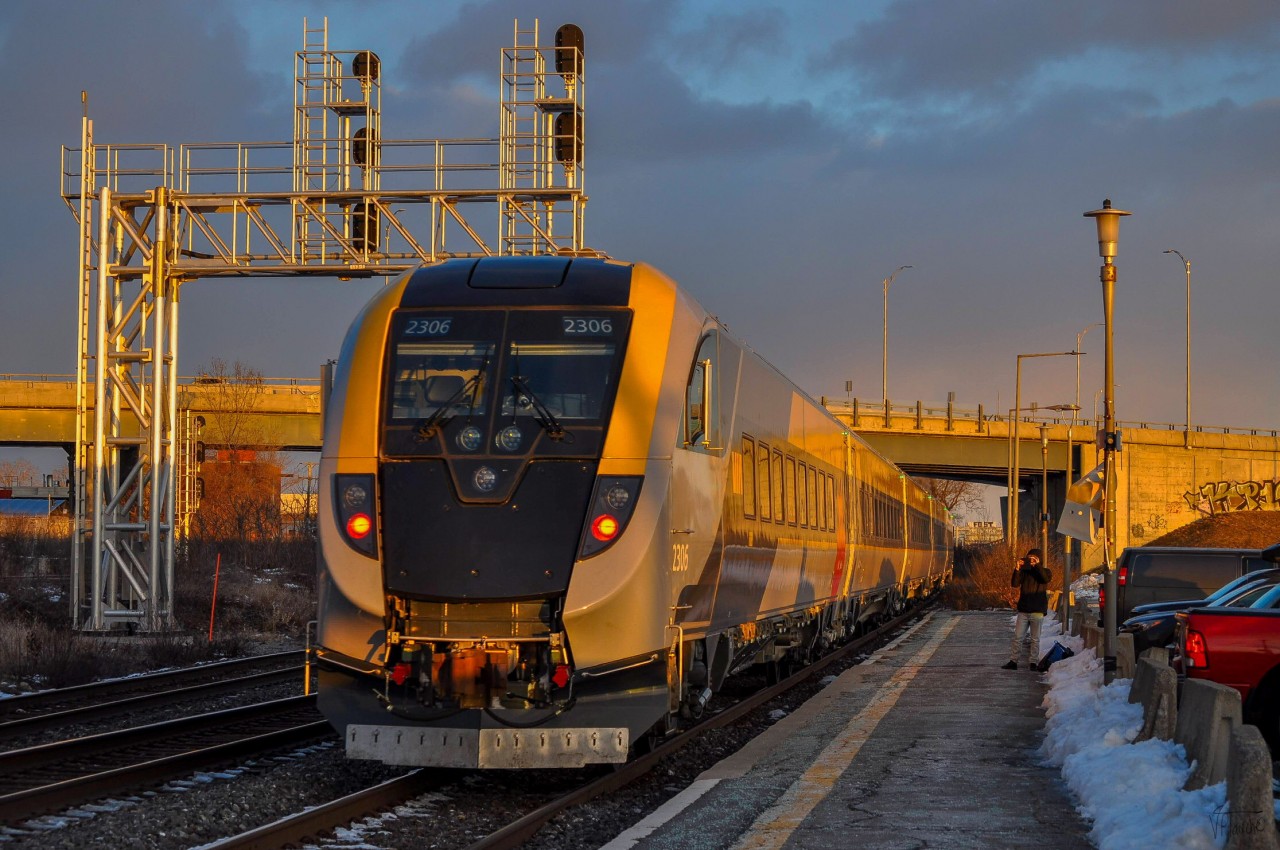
{"x": 679, "y": 557}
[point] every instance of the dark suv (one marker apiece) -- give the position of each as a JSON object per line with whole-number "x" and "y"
{"x": 1147, "y": 574}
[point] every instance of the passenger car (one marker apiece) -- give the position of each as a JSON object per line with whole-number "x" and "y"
{"x": 1153, "y": 625}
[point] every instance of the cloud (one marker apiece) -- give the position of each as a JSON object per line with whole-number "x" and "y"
{"x": 729, "y": 40}
{"x": 989, "y": 49}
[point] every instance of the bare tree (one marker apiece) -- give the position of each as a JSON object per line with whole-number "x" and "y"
{"x": 956, "y": 496}
{"x": 18, "y": 473}
{"x": 239, "y": 481}
{"x": 233, "y": 394}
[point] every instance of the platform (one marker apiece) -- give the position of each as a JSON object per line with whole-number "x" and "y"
{"x": 926, "y": 744}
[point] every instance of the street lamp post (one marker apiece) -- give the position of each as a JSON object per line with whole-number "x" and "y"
{"x": 1108, "y": 222}
{"x": 1068, "y": 549}
{"x": 884, "y": 356}
{"x": 1187, "y": 265}
{"x": 1011, "y": 533}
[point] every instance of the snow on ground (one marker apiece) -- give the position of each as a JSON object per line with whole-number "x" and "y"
{"x": 1132, "y": 793}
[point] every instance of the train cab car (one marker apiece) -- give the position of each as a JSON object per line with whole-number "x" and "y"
{"x": 560, "y": 503}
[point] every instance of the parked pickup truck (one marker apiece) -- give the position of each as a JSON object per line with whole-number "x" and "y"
{"x": 1239, "y": 647}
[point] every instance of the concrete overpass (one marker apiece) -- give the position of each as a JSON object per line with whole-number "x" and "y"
{"x": 40, "y": 410}
{"x": 1163, "y": 484}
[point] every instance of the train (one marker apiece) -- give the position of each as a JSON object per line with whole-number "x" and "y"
{"x": 560, "y": 503}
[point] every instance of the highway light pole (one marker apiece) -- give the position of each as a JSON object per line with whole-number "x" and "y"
{"x": 1108, "y": 222}
{"x": 1044, "y": 495}
{"x": 1011, "y": 532}
{"x": 884, "y": 356}
{"x": 1187, "y": 265}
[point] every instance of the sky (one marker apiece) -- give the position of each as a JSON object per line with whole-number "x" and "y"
{"x": 779, "y": 160}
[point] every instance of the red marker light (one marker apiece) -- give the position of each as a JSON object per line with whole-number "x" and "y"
{"x": 604, "y": 528}
{"x": 359, "y": 526}
{"x": 561, "y": 676}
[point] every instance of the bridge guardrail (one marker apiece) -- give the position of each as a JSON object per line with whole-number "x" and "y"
{"x": 872, "y": 414}
{"x": 272, "y": 385}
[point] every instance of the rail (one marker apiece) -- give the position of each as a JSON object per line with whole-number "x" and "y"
{"x": 299, "y": 827}
{"x": 86, "y": 702}
{"x": 53, "y": 776}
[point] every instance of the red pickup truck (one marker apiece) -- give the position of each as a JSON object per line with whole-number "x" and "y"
{"x": 1238, "y": 647}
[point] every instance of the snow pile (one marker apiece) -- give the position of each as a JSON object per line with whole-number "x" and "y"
{"x": 1131, "y": 792}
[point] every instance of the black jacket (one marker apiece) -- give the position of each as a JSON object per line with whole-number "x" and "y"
{"x": 1032, "y": 584}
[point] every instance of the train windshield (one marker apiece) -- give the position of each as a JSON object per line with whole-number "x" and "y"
{"x": 433, "y": 379}
{"x": 567, "y": 380}
{"x": 502, "y": 382}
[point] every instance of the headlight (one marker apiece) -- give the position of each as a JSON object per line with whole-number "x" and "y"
{"x": 485, "y": 479}
{"x": 509, "y": 438}
{"x": 470, "y": 438}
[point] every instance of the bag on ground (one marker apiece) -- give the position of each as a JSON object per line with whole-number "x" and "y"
{"x": 1054, "y": 655}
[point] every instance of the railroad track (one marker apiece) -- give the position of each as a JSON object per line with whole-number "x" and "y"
{"x": 51, "y": 777}
{"x": 297, "y": 828}
{"x": 28, "y": 713}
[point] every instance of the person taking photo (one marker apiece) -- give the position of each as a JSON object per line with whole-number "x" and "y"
{"x": 1032, "y": 580}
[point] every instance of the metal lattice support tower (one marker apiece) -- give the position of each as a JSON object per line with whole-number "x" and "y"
{"x": 152, "y": 219}
{"x": 541, "y": 141}
{"x": 131, "y": 530}
{"x": 336, "y": 134}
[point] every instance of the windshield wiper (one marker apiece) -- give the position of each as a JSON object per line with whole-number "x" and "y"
{"x": 429, "y": 426}
{"x": 542, "y": 415}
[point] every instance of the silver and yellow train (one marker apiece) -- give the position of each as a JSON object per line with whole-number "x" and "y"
{"x": 560, "y": 503}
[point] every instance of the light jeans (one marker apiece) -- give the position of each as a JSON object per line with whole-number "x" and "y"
{"x": 1020, "y": 646}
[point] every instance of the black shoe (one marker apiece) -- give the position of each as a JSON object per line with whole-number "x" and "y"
{"x": 1012, "y": 665}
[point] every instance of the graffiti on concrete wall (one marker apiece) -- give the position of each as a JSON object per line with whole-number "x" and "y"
{"x": 1155, "y": 524}
{"x": 1220, "y": 497}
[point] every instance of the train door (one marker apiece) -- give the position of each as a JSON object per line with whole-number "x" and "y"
{"x": 696, "y": 490}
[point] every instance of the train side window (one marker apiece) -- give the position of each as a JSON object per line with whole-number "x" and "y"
{"x": 865, "y": 503}
{"x": 701, "y": 419}
{"x": 762, "y": 481}
{"x": 831, "y": 503}
{"x": 748, "y": 477}
{"x": 811, "y": 480}
{"x": 802, "y": 493}
{"x": 779, "y": 487}
{"x": 790, "y": 478}
{"x": 821, "y": 479}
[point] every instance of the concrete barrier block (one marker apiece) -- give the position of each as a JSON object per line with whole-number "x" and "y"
{"x": 1143, "y": 681}
{"x": 1249, "y": 822}
{"x": 1093, "y": 639}
{"x": 1159, "y": 700}
{"x": 1207, "y": 714}
{"x": 1124, "y": 656}
{"x": 1082, "y": 616}
{"x": 1158, "y": 654}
